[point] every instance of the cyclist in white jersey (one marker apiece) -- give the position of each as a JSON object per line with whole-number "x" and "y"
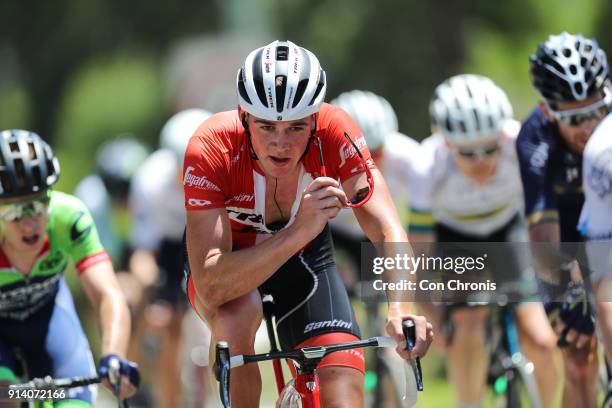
{"x": 465, "y": 187}
{"x": 596, "y": 221}
{"x": 377, "y": 120}
{"x": 157, "y": 205}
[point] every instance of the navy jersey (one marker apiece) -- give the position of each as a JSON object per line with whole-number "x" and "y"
{"x": 551, "y": 174}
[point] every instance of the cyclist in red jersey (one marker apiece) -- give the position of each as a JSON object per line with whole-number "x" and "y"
{"x": 257, "y": 212}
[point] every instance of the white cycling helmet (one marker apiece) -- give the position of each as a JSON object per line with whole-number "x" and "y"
{"x": 469, "y": 108}
{"x": 280, "y": 82}
{"x": 372, "y": 113}
{"x": 568, "y": 68}
{"x": 179, "y": 128}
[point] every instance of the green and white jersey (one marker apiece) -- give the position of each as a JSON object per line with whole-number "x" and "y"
{"x": 71, "y": 237}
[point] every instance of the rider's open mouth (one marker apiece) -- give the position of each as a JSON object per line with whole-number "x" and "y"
{"x": 280, "y": 160}
{"x": 32, "y": 239}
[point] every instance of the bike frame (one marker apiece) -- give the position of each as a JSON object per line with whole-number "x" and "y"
{"x": 307, "y": 385}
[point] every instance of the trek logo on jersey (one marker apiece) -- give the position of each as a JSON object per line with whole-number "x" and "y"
{"x": 600, "y": 178}
{"x": 198, "y": 203}
{"x": 247, "y": 218}
{"x": 200, "y": 182}
{"x": 347, "y": 150}
{"x": 341, "y": 324}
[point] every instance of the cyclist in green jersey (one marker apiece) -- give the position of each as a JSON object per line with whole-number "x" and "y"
{"x": 42, "y": 232}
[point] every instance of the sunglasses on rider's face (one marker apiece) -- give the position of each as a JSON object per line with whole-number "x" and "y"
{"x": 479, "y": 152}
{"x": 25, "y": 209}
{"x": 577, "y": 117}
{"x": 363, "y": 194}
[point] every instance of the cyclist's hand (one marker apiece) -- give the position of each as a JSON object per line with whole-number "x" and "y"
{"x": 127, "y": 379}
{"x": 321, "y": 201}
{"x": 423, "y": 334}
{"x": 576, "y": 320}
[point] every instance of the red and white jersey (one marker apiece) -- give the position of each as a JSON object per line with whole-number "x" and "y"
{"x": 219, "y": 171}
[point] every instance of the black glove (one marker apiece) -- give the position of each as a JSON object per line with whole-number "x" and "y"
{"x": 126, "y": 368}
{"x": 576, "y": 312}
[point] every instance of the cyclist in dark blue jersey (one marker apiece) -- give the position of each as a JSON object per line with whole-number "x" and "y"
{"x": 571, "y": 74}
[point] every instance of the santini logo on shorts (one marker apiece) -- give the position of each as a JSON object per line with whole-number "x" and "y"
{"x": 200, "y": 182}
{"x": 341, "y": 324}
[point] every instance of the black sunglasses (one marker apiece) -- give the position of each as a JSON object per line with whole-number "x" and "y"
{"x": 473, "y": 153}
{"x": 362, "y": 195}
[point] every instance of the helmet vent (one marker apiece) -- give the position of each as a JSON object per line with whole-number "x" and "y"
{"x": 462, "y": 126}
{"x": 573, "y": 69}
{"x": 567, "y": 52}
{"x": 320, "y": 86}
{"x": 14, "y": 146}
{"x": 476, "y": 119}
{"x": 282, "y": 53}
{"x": 241, "y": 88}
{"x": 280, "y": 82}
{"x": 31, "y": 151}
{"x": 258, "y": 79}
{"x": 38, "y": 181}
{"x": 6, "y": 182}
{"x": 299, "y": 92}
{"x": 555, "y": 65}
{"x": 578, "y": 88}
{"x": 20, "y": 174}
{"x": 469, "y": 92}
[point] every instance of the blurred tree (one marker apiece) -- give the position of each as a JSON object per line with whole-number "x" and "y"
{"x": 603, "y": 28}
{"x": 400, "y": 49}
{"x": 51, "y": 40}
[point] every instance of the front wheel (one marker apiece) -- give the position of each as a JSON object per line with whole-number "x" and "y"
{"x": 389, "y": 383}
{"x": 516, "y": 388}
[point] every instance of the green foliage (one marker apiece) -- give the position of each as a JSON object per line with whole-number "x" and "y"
{"x": 603, "y": 27}
{"x": 14, "y": 107}
{"x": 503, "y": 55}
{"x": 108, "y": 97}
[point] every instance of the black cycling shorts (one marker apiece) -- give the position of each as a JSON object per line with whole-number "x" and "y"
{"x": 309, "y": 296}
{"x": 511, "y": 259}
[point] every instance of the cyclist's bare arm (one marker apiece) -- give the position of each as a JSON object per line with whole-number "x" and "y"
{"x": 105, "y": 295}
{"x": 143, "y": 267}
{"x": 380, "y": 222}
{"x": 546, "y": 261}
{"x": 220, "y": 274}
{"x": 378, "y": 218}
{"x": 547, "y": 231}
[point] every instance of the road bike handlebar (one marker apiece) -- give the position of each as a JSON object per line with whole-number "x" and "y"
{"x": 307, "y": 358}
{"x": 51, "y": 384}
